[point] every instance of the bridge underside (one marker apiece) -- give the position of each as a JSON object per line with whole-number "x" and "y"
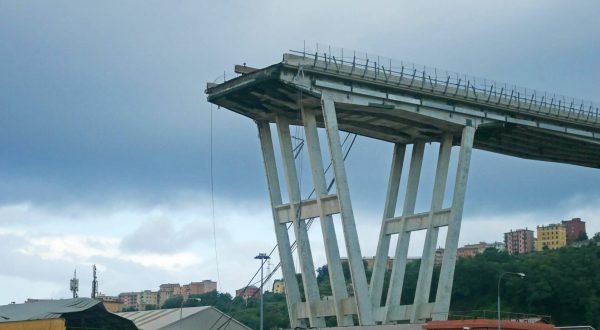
{"x": 263, "y": 95}
{"x": 402, "y": 110}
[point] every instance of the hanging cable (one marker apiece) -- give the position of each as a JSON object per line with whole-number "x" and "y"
{"x": 212, "y": 198}
{"x": 293, "y": 245}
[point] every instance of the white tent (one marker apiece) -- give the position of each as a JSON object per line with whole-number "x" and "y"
{"x": 189, "y": 318}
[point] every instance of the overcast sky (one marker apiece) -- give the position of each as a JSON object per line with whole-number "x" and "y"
{"x": 105, "y": 130}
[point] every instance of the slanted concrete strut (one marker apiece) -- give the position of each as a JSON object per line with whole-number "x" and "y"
{"x": 334, "y": 263}
{"x": 357, "y": 270}
{"x": 292, "y": 291}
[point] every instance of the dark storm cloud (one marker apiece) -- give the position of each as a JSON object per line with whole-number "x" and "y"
{"x": 103, "y": 101}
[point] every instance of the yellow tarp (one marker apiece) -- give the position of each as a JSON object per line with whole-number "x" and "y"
{"x": 52, "y": 324}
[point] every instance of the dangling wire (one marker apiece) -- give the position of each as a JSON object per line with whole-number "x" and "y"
{"x": 293, "y": 245}
{"x": 297, "y": 152}
{"x": 212, "y": 198}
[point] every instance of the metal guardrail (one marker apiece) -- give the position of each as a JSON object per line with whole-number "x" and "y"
{"x": 486, "y": 314}
{"x": 437, "y": 81}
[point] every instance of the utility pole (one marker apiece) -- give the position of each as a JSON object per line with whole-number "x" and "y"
{"x": 521, "y": 275}
{"x": 74, "y": 284}
{"x": 262, "y": 257}
{"x": 94, "y": 284}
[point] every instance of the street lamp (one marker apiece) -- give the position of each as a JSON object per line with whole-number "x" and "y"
{"x": 262, "y": 257}
{"x": 499, "y": 279}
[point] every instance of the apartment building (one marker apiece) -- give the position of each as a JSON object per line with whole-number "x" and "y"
{"x": 113, "y": 304}
{"x": 553, "y": 236}
{"x": 248, "y": 292}
{"x": 519, "y": 241}
{"x": 130, "y": 299}
{"x": 575, "y": 228}
{"x": 470, "y": 250}
{"x": 148, "y": 297}
{"x": 439, "y": 256}
{"x": 168, "y": 290}
{"x": 278, "y": 286}
{"x": 198, "y": 287}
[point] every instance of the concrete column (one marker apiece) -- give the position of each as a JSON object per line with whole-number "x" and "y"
{"x": 292, "y": 291}
{"x": 444, "y": 290}
{"x": 427, "y": 260}
{"x": 389, "y": 210}
{"x": 309, "y": 279}
{"x": 357, "y": 269}
{"x": 401, "y": 254}
{"x": 332, "y": 252}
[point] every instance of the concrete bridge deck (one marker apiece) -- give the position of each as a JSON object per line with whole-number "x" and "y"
{"x": 411, "y": 105}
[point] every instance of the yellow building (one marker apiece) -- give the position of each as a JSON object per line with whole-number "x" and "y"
{"x": 278, "y": 286}
{"x": 148, "y": 297}
{"x": 553, "y": 236}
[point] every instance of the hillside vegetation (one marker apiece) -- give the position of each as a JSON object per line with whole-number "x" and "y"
{"x": 563, "y": 283}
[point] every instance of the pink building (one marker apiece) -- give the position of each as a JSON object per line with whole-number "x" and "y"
{"x": 519, "y": 241}
{"x": 130, "y": 299}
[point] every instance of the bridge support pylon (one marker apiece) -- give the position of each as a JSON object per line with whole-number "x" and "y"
{"x": 391, "y": 310}
{"x": 365, "y": 301}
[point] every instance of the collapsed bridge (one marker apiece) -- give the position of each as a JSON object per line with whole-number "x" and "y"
{"x": 403, "y": 104}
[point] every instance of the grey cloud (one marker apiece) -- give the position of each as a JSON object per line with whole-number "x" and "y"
{"x": 159, "y": 235}
{"x": 30, "y": 266}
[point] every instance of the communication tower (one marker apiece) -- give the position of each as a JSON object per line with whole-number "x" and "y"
{"x": 94, "y": 284}
{"x": 74, "y": 284}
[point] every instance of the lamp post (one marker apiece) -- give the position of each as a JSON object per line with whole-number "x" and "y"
{"x": 181, "y": 306}
{"x": 262, "y": 257}
{"x": 500, "y": 279}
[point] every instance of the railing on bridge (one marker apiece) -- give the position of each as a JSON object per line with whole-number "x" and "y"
{"x": 506, "y": 316}
{"x": 447, "y": 83}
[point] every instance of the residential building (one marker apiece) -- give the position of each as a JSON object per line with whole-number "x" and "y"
{"x": 370, "y": 262}
{"x": 248, "y": 292}
{"x": 111, "y": 303}
{"x": 278, "y": 286}
{"x": 470, "y": 250}
{"x": 519, "y": 241}
{"x": 439, "y": 256}
{"x": 130, "y": 299}
{"x": 34, "y": 300}
{"x": 575, "y": 228}
{"x": 168, "y": 290}
{"x": 497, "y": 245}
{"x": 148, "y": 297}
{"x": 553, "y": 236}
{"x": 198, "y": 287}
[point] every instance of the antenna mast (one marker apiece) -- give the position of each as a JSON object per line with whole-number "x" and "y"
{"x": 74, "y": 284}
{"x": 94, "y": 284}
